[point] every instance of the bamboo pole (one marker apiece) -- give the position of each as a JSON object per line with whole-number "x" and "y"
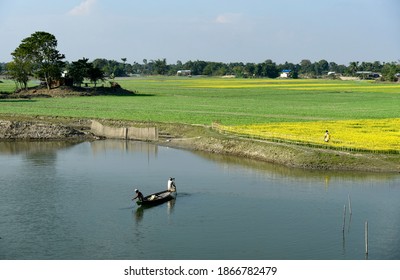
{"x": 350, "y": 211}
{"x": 344, "y": 217}
{"x": 366, "y": 237}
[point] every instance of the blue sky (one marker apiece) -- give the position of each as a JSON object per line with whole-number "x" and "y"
{"x": 213, "y": 30}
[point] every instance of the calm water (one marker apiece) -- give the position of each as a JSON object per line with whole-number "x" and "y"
{"x": 64, "y": 201}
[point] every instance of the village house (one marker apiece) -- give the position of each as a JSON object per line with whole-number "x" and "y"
{"x": 285, "y": 73}
{"x": 184, "y": 73}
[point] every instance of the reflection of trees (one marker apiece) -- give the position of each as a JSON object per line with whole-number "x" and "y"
{"x": 30, "y": 148}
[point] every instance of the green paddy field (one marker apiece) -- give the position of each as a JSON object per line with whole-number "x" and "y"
{"x": 227, "y": 101}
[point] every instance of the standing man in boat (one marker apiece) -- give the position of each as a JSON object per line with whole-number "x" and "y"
{"x": 139, "y": 195}
{"x": 171, "y": 185}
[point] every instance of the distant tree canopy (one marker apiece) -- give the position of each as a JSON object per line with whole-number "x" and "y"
{"x": 37, "y": 55}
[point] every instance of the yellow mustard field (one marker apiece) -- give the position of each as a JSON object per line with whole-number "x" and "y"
{"x": 300, "y": 85}
{"x": 377, "y": 135}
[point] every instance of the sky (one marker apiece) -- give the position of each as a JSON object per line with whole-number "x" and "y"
{"x": 338, "y": 31}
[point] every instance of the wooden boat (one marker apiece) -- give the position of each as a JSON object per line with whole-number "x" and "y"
{"x": 157, "y": 198}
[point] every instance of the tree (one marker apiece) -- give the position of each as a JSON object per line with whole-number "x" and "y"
{"x": 38, "y": 55}
{"x": 94, "y": 74}
{"x": 20, "y": 68}
{"x": 81, "y": 69}
{"x": 389, "y": 71}
{"x": 78, "y": 70}
{"x": 322, "y": 66}
{"x": 270, "y": 70}
{"x": 306, "y": 67}
{"x": 353, "y": 67}
{"x": 160, "y": 66}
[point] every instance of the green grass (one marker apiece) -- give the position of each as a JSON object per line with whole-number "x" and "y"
{"x": 229, "y": 101}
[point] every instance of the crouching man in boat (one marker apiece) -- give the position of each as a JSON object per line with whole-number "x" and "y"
{"x": 171, "y": 185}
{"x": 139, "y": 195}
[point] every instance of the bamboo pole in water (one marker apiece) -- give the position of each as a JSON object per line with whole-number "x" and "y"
{"x": 344, "y": 217}
{"x": 366, "y": 237}
{"x": 350, "y": 205}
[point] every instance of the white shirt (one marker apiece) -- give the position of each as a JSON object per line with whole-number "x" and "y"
{"x": 170, "y": 185}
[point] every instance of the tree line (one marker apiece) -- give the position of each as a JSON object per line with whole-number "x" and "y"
{"x": 37, "y": 56}
{"x": 268, "y": 68}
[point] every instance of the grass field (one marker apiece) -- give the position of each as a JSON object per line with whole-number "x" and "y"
{"x": 230, "y": 102}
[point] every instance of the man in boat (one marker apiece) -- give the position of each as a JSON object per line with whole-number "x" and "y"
{"x": 139, "y": 195}
{"x": 171, "y": 184}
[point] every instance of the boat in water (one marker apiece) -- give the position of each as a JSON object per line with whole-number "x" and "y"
{"x": 158, "y": 198}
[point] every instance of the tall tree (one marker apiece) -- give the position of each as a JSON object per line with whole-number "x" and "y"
{"x": 21, "y": 67}
{"x": 40, "y": 51}
{"x": 77, "y": 70}
{"x": 306, "y": 67}
{"x": 389, "y": 71}
{"x": 94, "y": 74}
{"x": 269, "y": 69}
{"x": 160, "y": 66}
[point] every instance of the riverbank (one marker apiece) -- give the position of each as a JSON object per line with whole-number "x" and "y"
{"x": 202, "y": 138}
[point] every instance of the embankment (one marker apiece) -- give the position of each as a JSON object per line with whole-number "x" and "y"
{"x": 205, "y": 139}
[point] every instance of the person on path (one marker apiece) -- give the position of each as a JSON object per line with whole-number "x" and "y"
{"x": 327, "y": 136}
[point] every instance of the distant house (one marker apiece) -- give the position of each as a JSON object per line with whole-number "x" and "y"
{"x": 184, "y": 72}
{"x": 367, "y": 75}
{"x": 285, "y": 73}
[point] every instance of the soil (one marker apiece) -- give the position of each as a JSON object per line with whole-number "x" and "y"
{"x": 42, "y": 130}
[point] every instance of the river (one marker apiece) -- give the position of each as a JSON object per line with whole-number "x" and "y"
{"x": 73, "y": 201}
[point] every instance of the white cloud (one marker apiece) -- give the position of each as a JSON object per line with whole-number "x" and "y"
{"x": 83, "y": 8}
{"x": 228, "y": 18}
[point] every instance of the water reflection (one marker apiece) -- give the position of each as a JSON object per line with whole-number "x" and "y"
{"x": 100, "y": 147}
{"x": 278, "y": 171}
{"x": 32, "y": 148}
{"x": 140, "y": 211}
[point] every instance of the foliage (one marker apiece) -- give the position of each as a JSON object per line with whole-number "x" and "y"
{"x": 81, "y": 69}
{"x": 77, "y": 70}
{"x": 19, "y": 70}
{"x": 37, "y": 55}
{"x": 389, "y": 71}
{"x": 94, "y": 74}
{"x": 266, "y": 69}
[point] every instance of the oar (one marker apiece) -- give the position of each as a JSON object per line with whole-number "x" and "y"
{"x": 132, "y": 204}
